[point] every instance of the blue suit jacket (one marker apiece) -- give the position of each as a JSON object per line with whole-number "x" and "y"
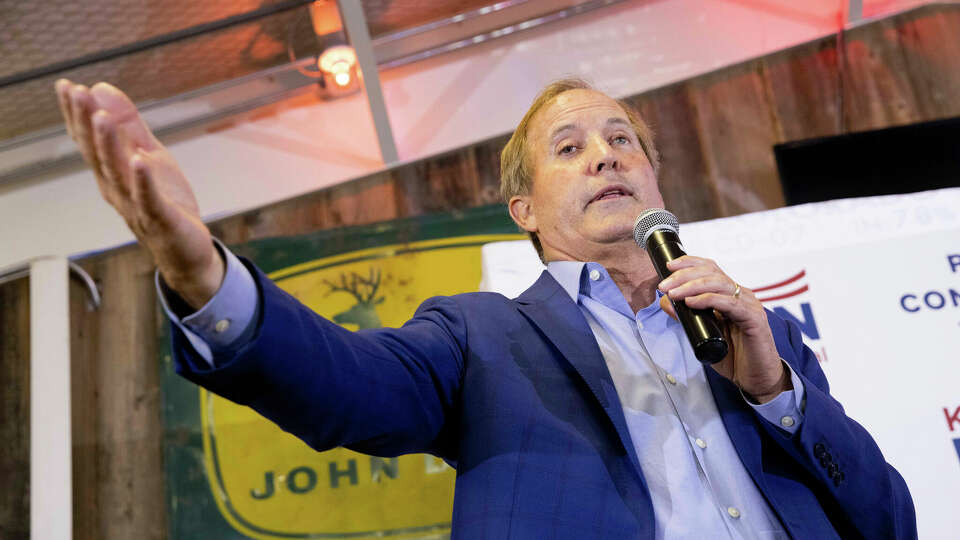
{"x": 516, "y": 395}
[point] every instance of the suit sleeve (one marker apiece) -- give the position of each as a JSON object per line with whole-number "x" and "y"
{"x": 383, "y": 392}
{"x": 839, "y": 452}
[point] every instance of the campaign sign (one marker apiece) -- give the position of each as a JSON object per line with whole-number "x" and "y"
{"x": 264, "y": 483}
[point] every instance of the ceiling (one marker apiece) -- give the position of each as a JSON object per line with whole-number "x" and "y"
{"x": 37, "y": 36}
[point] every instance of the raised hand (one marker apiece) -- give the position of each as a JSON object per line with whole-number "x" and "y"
{"x": 140, "y": 179}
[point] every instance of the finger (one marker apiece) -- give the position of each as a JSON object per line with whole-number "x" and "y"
{"x": 737, "y": 310}
{"x": 667, "y": 307}
{"x": 711, "y": 283}
{"x": 113, "y": 154}
{"x": 62, "y": 89}
{"x": 684, "y": 275}
{"x": 149, "y": 203}
{"x": 118, "y": 104}
{"x": 81, "y": 109}
{"x": 688, "y": 261}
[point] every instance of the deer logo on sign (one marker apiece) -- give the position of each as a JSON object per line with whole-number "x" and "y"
{"x": 364, "y": 289}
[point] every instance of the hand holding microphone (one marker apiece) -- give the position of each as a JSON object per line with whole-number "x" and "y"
{"x": 741, "y": 350}
{"x": 656, "y": 231}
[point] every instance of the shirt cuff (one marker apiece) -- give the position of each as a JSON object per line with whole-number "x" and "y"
{"x": 786, "y": 410}
{"x": 225, "y": 323}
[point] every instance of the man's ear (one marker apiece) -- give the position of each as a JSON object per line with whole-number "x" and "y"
{"x": 521, "y": 210}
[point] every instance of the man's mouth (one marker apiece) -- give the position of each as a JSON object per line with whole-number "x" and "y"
{"x": 611, "y": 192}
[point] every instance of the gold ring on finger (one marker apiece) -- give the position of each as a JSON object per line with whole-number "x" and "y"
{"x": 736, "y": 292}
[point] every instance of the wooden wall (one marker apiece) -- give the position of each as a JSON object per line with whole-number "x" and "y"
{"x": 118, "y": 486}
{"x": 15, "y": 409}
{"x": 715, "y": 133}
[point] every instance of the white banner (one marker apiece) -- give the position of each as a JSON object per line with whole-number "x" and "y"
{"x": 874, "y": 285}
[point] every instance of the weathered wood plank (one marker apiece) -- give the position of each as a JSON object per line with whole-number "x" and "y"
{"x": 84, "y": 417}
{"x": 488, "y": 169}
{"x": 930, "y": 43}
{"x": 737, "y": 129}
{"x": 445, "y": 182}
{"x": 877, "y": 88}
{"x": 117, "y": 422}
{"x": 684, "y": 182}
{"x": 15, "y": 409}
{"x": 363, "y": 201}
{"x": 805, "y": 86}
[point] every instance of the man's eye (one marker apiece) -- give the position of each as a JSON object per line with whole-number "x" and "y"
{"x": 568, "y": 149}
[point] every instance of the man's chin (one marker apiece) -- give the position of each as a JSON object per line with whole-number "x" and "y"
{"x": 613, "y": 233}
{"x": 619, "y": 218}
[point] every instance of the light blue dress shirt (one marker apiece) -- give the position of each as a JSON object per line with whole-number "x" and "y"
{"x": 698, "y": 485}
{"x": 697, "y": 482}
{"x": 227, "y": 321}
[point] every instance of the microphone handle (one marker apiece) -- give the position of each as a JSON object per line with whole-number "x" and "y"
{"x": 700, "y": 325}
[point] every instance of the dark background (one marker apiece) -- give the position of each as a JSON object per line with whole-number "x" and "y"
{"x": 902, "y": 159}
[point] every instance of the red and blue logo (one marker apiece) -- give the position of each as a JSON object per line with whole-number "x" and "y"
{"x": 789, "y": 299}
{"x": 951, "y": 420}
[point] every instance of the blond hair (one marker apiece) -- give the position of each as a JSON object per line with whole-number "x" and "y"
{"x": 516, "y": 174}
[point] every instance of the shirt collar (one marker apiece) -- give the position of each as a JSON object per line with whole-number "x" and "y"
{"x": 567, "y": 274}
{"x": 575, "y": 279}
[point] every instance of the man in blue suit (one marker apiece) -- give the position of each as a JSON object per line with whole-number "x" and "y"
{"x": 576, "y": 410}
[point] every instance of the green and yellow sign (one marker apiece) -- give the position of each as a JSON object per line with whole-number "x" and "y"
{"x": 246, "y": 475}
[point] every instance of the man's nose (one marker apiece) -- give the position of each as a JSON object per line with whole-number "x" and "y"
{"x": 608, "y": 162}
{"x": 605, "y": 159}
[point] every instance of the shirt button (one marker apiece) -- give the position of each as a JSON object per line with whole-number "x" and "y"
{"x": 734, "y": 513}
{"x": 671, "y": 379}
{"x": 595, "y": 275}
{"x": 640, "y": 325}
{"x": 222, "y": 325}
{"x": 786, "y": 421}
{"x": 701, "y": 443}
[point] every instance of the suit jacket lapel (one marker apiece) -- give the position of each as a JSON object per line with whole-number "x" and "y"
{"x": 559, "y": 318}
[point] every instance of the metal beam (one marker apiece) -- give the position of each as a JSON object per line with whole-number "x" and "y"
{"x": 358, "y": 35}
{"x": 854, "y": 11}
{"x": 476, "y": 26}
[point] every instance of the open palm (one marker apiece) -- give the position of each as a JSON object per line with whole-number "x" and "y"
{"x": 138, "y": 177}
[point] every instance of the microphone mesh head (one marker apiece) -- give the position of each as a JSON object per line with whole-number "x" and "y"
{"x": 654, "y": 219}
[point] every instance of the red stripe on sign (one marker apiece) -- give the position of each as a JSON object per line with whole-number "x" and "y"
{"x": 782, "y": 283}
{"x": 801, "y": 290}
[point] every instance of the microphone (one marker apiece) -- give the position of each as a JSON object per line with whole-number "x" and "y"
{"x": 656, "y": 232}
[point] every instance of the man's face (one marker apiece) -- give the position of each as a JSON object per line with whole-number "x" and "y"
{"x": 591, "y": 177}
